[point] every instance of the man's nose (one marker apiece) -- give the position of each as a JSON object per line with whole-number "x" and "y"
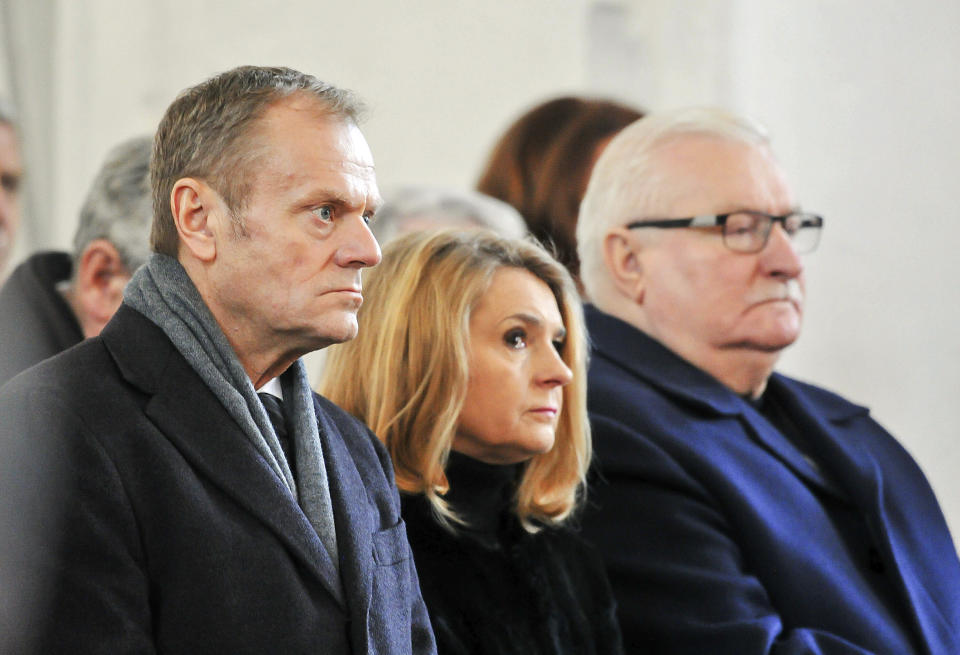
{"x": 779, "y": 258}
{"x": 359, "y": 248}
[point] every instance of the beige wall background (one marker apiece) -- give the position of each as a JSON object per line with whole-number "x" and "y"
{"x": 861, "y": 98}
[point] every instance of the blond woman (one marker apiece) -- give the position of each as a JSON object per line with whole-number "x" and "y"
{"x": 469, "y": 366}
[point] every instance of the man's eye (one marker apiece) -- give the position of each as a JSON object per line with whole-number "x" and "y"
{"x": 324, "y": 213}
{"x": 516, "y": 339}
{"x": 367, "y": 218}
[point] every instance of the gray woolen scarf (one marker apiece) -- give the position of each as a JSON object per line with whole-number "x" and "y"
{"x": 162, "y": 291}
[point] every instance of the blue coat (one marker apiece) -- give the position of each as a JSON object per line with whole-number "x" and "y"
{"x": 721, "y": 537}
{"x": 177, "y": 537}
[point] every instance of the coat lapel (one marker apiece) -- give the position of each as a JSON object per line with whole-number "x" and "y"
{"x": 806, "y": 466}
{"x": 192, "y": 418}
{"x": 675, "y": 377}
{"x": 870, "y": 491}
{"x": 355, "y": 527}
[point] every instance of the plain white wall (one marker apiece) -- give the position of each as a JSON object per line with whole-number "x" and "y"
{"x": 441, "y": 78}
{"x": 861, "y": 99}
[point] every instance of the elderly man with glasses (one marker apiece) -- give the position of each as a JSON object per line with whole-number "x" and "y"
{"x": 738, "y": 510}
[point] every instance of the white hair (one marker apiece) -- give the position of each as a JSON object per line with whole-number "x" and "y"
{"x": 625, "y": 183}
{"x": 118, "y": 207}
{"x": 412, "y": 207}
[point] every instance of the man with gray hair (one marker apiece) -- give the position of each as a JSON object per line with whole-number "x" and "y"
{"x": 11, "y": 171}
{"x": 54, "y": 299}
{"x": 738, "y": 510}
{"x": 200, "y": 515}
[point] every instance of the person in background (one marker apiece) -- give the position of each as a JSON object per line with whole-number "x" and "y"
{"x": 470, "y": 367}
{"x": 11, "y": 172}
{"x": 415, "y": 208}
{"x": 542, "y": 163}
{"x": 210, "y": 501}
{"x": 738, "y": 510}
{"x": 54, "y": 300}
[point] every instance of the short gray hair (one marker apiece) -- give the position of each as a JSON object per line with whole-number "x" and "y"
{"x": 205, "y": 134}
{"x": 625, "y": 182}
{"x": 445, "y": 208}
{"x": 118, "y": 207}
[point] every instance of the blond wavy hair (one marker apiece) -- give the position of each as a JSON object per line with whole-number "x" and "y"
{"x": 406, "y": 373}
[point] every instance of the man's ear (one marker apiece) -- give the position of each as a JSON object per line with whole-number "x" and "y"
{"x": 621, "y": 253}
{"x": 98, "y": 286}
{"x": 192, "y": 203}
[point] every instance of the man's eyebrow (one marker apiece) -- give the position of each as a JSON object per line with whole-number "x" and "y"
{"x": 328, "y": 196}
{"x": 322, "y": 194}
{"x": 375, "y": 203}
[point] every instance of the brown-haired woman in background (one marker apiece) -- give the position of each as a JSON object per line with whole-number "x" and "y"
{"x": 542, "y": 163}
{"x": 469, "y": 365}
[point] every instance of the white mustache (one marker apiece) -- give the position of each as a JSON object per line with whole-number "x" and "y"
{"x": 789, "y": 290}
{"x": 794, "y": 292}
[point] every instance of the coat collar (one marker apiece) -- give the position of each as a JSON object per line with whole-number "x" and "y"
{"x": 630, "y": 348}
{"x": 191, "y": 417}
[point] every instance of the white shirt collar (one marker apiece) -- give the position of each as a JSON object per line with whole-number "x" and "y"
{"x": 273, "y": 388}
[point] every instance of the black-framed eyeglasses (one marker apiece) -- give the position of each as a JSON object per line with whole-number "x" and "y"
{"x": 749, "y": 231}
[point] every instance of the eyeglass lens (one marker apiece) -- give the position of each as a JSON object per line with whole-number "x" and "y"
{"x": 749, "y": 232}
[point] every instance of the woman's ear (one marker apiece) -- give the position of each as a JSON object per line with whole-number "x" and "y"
{"x": 622, "y": 255}
{"x": 192, "y": 203}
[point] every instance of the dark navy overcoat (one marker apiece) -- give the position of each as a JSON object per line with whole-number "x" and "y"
{"x": 721, "y": 536}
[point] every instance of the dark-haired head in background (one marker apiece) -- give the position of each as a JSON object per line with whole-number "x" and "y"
{"x": 542, "y": 163}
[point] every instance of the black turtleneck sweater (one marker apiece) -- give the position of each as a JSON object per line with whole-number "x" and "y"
{"x": 493, "y": 588}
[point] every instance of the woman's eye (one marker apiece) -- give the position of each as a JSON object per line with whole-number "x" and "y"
{"x": 516, "y": 339}
{"x": 558, "y": 345}
{"x": 324, "y": 213}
